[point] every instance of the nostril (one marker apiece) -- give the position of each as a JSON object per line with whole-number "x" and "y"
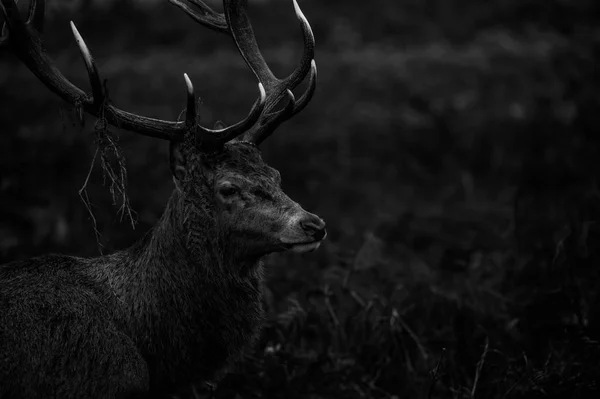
{"x": 319, "y": 234}
{"x": 309, "y": 226}
{"x": 314, "y": 226}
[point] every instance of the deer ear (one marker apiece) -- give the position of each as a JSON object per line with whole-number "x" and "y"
{"x": 177, "y": 160}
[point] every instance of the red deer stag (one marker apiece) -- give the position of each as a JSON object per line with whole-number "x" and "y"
{"x": 182, "y": 303}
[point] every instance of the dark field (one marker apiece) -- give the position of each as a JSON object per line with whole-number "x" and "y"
{"x": 452, "y": 146}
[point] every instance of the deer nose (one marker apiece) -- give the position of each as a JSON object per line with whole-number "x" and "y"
{"x": 314, "y": 226}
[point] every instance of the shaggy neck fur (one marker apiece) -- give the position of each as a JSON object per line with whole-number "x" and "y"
{"x": 188, "y": 300}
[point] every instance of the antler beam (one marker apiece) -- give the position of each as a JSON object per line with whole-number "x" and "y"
{"x": 23, "y": 38}
{"x": 235, "y": 22}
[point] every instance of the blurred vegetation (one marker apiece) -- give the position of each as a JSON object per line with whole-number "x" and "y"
{"x": 452, "y": 147}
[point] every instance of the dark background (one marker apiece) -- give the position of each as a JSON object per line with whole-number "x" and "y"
{"x": 452, "y": 147}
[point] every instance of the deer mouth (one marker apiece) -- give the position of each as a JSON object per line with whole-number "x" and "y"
{"x": 304, "y": 247}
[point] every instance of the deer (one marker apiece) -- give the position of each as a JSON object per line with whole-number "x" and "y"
{"x": 180, "y": 306}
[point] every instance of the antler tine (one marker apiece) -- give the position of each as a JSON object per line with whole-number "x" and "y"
{"x": 190, "y": 113}
{"x": 209, "y": 18}
{"x": 11, "y": 17}
{"x": 310, "y": 91}
{"x": 4, "y": 31}
{"x": 309, "y": 49}
{"x": 36, "y": 14}
{"x": 35, "y": 19}
{"x": 98, "y": 96}
{"x": 4, "y": 36}
{"x": 271, "y": 119}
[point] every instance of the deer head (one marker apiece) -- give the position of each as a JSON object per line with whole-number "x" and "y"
{"x": 219, "y": 173}
{"x": 242, "y": 196}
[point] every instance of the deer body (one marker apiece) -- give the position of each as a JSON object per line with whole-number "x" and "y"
{"x": 175, "y": 308}
{"x": 184, "y": 302}
{"x": 168, "y": 313}
{"x": 58, "y": 337}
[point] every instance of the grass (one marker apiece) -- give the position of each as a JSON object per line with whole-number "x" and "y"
{"x": 454, "y": 160}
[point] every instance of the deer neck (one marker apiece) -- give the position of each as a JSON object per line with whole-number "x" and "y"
{"x": 174, "y": 283}
{"x": 187, "y": 235}
{"x": 179, "y": 259}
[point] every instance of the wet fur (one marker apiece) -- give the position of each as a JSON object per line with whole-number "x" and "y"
{"x": 175, "y": 308}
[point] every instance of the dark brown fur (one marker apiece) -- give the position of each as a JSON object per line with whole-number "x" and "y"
{"x": 174, "y": 309}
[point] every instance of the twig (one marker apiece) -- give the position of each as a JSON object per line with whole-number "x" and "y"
{"x": 513, "y": 386}
{"x": 347, "y": 277}
{"x": 332, "y": 314}
{"x": 480, "y": 366}
{"x": 435, "y": 374}
{"x": 86, "y": 201}
{"x": 358, "y": 298}
{"x": 336, "y": 321}
{"x": 118, "y": 179}
{"x": 411, "y": 333}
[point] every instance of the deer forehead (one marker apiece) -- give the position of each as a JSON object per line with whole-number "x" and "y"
{"x": 249, "y": 171}
{"x": 264, "y": 180}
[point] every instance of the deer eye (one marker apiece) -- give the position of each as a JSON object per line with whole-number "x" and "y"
{"x": 228, "y": 190}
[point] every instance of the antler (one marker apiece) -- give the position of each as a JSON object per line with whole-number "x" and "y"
{"x": 23, "y": 38}
{"x": 235, "y": 22}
